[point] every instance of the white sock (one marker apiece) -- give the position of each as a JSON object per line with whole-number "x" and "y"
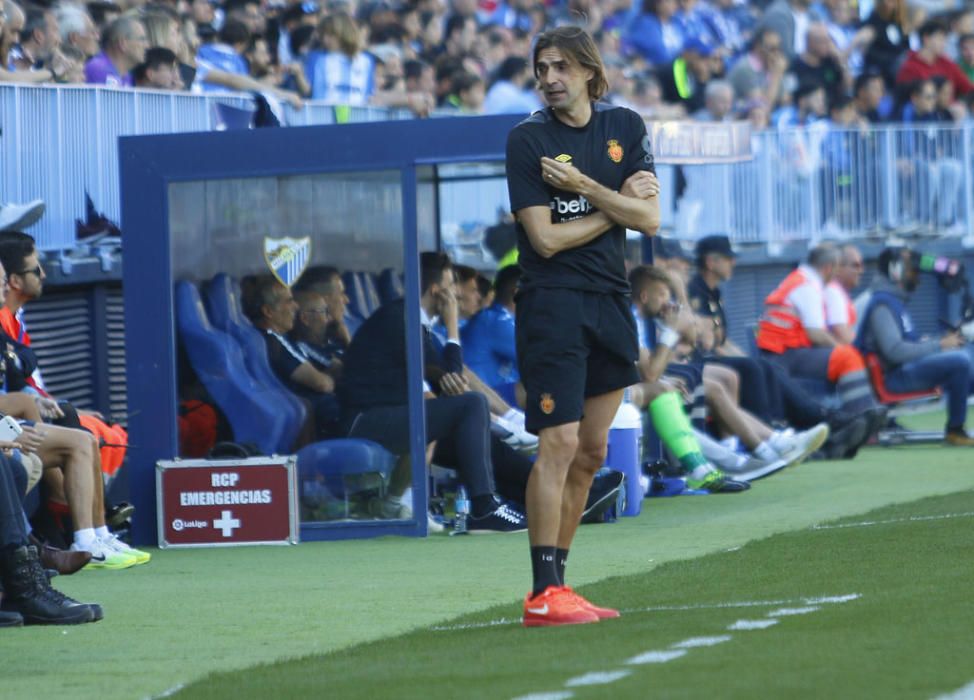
{"x": 102, "y": 532}
{"x": 766, "y": 452}
{"x": 83, "y": 539}
{"x": 701, "y": 471}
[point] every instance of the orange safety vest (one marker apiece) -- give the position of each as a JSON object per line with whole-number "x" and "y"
{"x": 780, "y": 328}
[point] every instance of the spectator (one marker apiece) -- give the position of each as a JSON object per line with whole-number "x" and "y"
{"x": 470, "y": 93}
{"x": 909, "y": 362}
{"x": 655, "y": 34}
{"x": 870, "y": 98}
{"x": 488, "y": 339}
{"x": 931, "y": 60}
{"x": 891, "y": 26}
{"x": 810, "y": 106}
{"x": 301, "y": 15}
{"x": 822, "y": 63}
{"x": 840, "y": 312}
{"x": 732, "y": 23}
{"x": 516, "y": 16}
{"x": 78, "y": 30}
{"x": 928, "y": 160}
{"x": 684, "y": 79}
{"x": 160, "y": 70}
{"x": 759, "y": 73}
{"x": 375, "y": 395}
{"x": 718, "y": 102}
{"x": 103, "y": 12}
{"x": 224, "y": 56}
{"x": 965, "y": 60}
{"x": 124, "y": 42}
{"x": 73, "y": 61}
{"x": 39, "y": 40}
{"x": 418, "y": 76}
{"x": 271, "y": 307}
{"x": 202, "y": 13}
{"x": 647, "y": 100}
{"x": 221, "y": 65}
{"x": 790, "y": 19}
{"x": 342, "y": 73}
{"x": 459, "y": 35}
{"x": 290, "y": 77}
{"x": 508, "y": 93}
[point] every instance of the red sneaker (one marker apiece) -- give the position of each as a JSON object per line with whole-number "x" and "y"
{"x": 555, "y": 606}
{"x": 601, "y": 613}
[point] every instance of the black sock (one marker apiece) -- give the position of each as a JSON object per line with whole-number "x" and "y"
{"x": 543, "y": 560}
{"x": 483, "y": 505}
{"x": 561, "y": 558}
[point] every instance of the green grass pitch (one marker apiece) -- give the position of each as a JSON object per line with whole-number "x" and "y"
{"x": 360, "y": 619}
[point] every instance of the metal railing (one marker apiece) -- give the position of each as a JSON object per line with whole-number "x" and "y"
{"x": 803, "y": 184}
{"x": 807, "y": 184}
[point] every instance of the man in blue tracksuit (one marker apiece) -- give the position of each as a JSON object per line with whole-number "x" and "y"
{"x": 488, "y": 338}
{"x": 909, "y": 362}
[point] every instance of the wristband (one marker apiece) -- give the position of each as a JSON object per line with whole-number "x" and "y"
{"x": 668, "y": 337}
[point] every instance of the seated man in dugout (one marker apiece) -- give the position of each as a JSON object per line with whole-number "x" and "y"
{"x": 271, "y": 308}
{"x": 75, "y": 454}
{"x": 793, "y": 332}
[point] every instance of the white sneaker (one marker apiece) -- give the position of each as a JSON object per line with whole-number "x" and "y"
{"x": 112, "y": 542}
{"x": 17, "y": 217}
{"x": 517, "y": 437}
{"x": 104, "y": 557}
{"x": 433, "y": 525}
{"x": 797, "y": 448}
{"x": 755, "y": 468}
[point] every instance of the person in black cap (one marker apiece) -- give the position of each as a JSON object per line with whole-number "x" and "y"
{"x": 766, "y": 391}
{"x": 669, "y": 254}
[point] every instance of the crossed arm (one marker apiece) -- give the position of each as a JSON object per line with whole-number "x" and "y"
{"x": 635, "y": 206}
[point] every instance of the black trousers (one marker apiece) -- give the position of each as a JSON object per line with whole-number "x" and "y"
{"x": 768, "y": 392}
{"x": 459, "y": 424}
{"x": 12, "y": 532}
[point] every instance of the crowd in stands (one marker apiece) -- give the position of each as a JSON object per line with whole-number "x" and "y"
{"x": 783, "y": 63}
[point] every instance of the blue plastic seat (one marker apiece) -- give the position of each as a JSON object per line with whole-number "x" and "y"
{"x": 390, "y": 286}
{"x": 355, "y": 291}
{"x": 337, "y": 462}
{"x": 223, "y": 306}
{"x": 219, "y": 363}
{"x": 370, "y": 290}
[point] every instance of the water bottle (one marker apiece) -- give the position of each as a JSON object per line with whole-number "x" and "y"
{"x": 462, "y": 507}
{"x": 625, "y": 439}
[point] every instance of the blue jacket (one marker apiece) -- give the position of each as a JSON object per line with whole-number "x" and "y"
{"x": 489, "y": 347}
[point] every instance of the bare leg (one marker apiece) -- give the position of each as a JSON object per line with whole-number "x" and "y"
{"x": 546, "y": 485}
{"x": 733, "y": 419}
{"x": 71, "y": 450}
{"x": 593, "y": 437}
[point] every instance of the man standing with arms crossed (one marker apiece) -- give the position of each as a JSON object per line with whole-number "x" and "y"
{"x": 580, "y": 173}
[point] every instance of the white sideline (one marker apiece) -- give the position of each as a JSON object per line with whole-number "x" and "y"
{"x": 656, "y": 657}
{"x": 751, "y": 625}
{"x": 785, "y": 612}
{"x": 694, "y": 642}
{"x": 965, "y": 693}
{"x": 597, "y": 678}
{"x": 500, "y": 622}
{"x": 910, "y": 519}
{"x": 679, "y": 649}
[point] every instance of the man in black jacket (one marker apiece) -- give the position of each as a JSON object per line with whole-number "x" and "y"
{"x": 375, "y": 396}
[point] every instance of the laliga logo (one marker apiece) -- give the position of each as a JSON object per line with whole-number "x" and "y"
{"x": 577, "y": 205}
{"x": 177, "y": 525}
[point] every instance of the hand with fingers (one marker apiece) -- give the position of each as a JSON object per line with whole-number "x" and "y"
{"x": 642, "y": 184}
{"x": 563, "y": 176}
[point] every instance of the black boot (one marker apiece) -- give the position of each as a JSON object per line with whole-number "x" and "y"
{"x": 9, "y": 619}
{"x": 29, "y": 593}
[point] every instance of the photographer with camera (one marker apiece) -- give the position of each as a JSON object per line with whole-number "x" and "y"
{"x": 909, "y": 362}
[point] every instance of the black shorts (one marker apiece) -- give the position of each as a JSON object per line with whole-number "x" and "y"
{"x": 572, "y": 345}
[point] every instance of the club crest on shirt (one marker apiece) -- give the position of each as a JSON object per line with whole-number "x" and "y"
{"x": 563, "y": 158}
{"x": 287, "y": 257}
{"x": 615, "y": 151}
{"x": 547, "y": 404}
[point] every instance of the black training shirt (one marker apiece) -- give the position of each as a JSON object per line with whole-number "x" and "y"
{"x": 610, "y": 148}
{"x": 706, "y": 302}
